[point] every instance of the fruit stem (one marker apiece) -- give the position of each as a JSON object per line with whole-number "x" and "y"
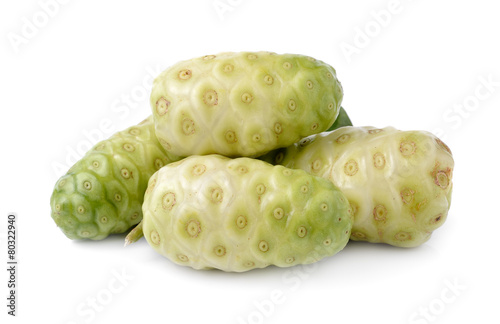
{"x": 134, "y": 234}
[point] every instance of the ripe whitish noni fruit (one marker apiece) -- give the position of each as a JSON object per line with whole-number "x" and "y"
{"x": 243, "y": 104}
{"x": 398, "y": 183}
{"x": 239, "y": 214}
{"x": 103, "y": 192}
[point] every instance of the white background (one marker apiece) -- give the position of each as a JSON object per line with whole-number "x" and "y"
{"x": 422, "y": 66}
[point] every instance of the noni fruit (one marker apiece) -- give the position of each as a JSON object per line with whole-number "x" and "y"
{"x": 243, "y": 104}
{"x": 239, "y": 214}
{"x": 398, "y": 183}
{"x": 103, "y": 192}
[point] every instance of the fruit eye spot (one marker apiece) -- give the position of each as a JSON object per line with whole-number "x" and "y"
{"x": 351, "y": 168}
{"x": 407, "y": 196}
{"x": 379, "y": 160}
{"x": 316, "y": 165}
{"x": 402, "y": 236}
{"x": 220, "y": 250}
{"x": 188, "y": 126}
{"x": 324, "y": 207}
{"x": 407, "y": 148}
{"x": 185, "y": 74}
{"x": 199, "y": 169}
{"x": 168, "y": 200}
{"x": 268, "y": 79}
{"x": 217, "y": 195}
{"x": 343, "y": 138}
{"x": 436, "y": 219}
{"x": 193, "y": 228}
{"x": 301, "y": 231}
{"x": 241, "y": 221}
{"x": 228, "y": 68}
{"x": 182, "y": 257}
{"x": 162, "y": 106}
{"x": 230, "y": 137}
{"x": 379, "y": 213}
{"x": 278, "y": 213}
{"x": 260, "y": 189}
{"x": 263, "y": 246}
{"x": 242, "y": 169}
{"x": 442, "y": 180}
{"x": 246, "y": 97}
{"x": 134, "y": 131}
{"x": 277, "y": 128}
{"x": 128, "y": 147}
{"x": 87, "y": 185}
{"x": 211, "y": 98}
{"x": 125, "y": 173}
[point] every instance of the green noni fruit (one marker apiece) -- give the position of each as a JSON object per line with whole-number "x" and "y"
{"x": 398, "y": 183}
{"x": 103, "y": 192}
{"x": 239, "y": 214}
{"x": 243, "y": 104}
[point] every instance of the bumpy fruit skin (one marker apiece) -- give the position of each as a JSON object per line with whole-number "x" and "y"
{"x": 239, "y": 214}
{"x": 341, "y": 121}
{"x": 243, "y": 104}
{"x": 398, "y": 183}
{"x": 103, "y": 192}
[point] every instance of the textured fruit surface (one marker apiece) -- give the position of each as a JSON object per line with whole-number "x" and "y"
{"x": 239, "y": 214}
{"x": 243, "y": 104}
{"x": 341, "y": 121}
{"x": 398, "y": 183}
{"x": 103, "y": 192}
